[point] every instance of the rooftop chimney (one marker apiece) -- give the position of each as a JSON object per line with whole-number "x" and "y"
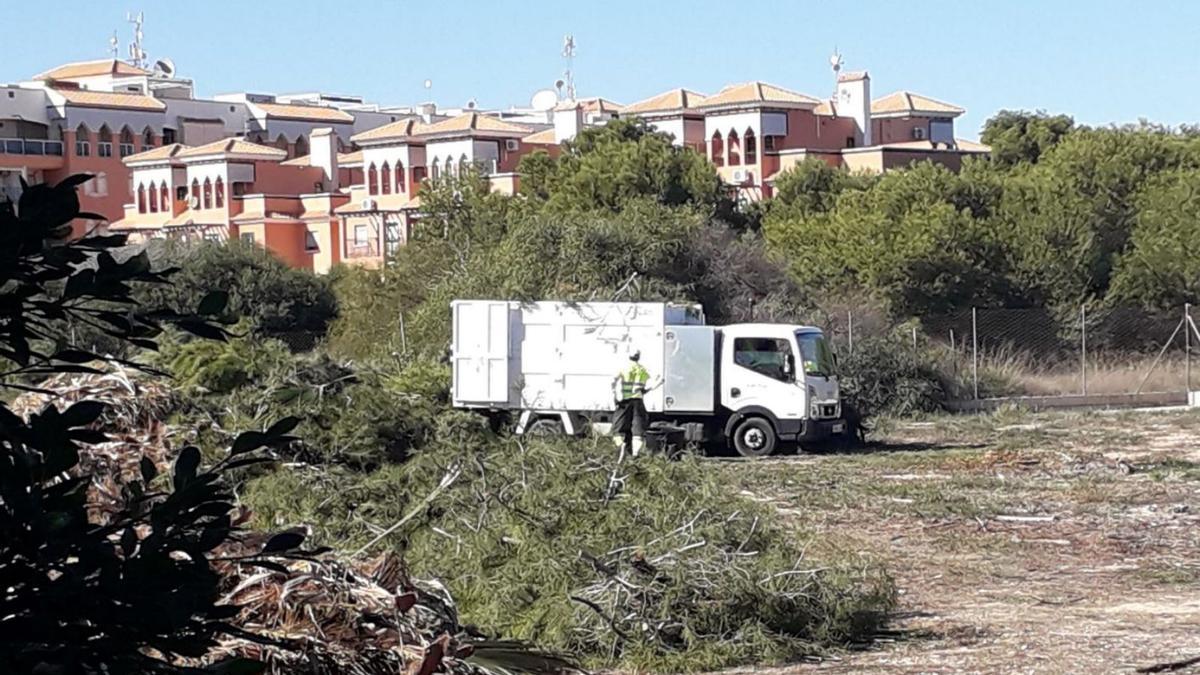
{"x": 323, "y": 154}
{"x": 568, "y": 121}
{"x": 854, "y": 100}
{"x": 427, "y": 110}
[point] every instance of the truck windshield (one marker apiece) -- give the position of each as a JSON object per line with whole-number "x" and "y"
{"x": 818, "y": 357}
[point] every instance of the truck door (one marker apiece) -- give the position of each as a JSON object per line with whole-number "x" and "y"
{"x": 481, "y": 353}
{"x": 761, "y": 371}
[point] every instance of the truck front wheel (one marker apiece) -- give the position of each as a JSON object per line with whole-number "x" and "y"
{"x": 754, "y": 437}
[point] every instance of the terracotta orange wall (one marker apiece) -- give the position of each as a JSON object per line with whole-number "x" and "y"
{"x": 286, "y": 241}
{"x": 276, "y": 178}
{"x": 897, "y": 129}
{"x": 111, "y": 206}
{"x": 893, "y": 159}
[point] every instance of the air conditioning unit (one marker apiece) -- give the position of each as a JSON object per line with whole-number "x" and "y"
{"x": 919, "y": 133}
{"x": 194, "y": 202}
{"x": 368, "y": 204}
{"x": 739, "y": 176}
{"x": 512, "y": 145}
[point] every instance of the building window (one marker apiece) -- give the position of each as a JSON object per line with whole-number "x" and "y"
{"x": 400, "y": 186}
{"x": 751, "y": 143}
{"x": 153, "y": 199}
{"x": 165, "y": 197}
{"x": 126, "y": 142}
{"x": 385, "y": 179}
{"x": 247, "y": 237}
{"x": 769, "y": 143}
{"x": 147, "y": 138}
{"x": 100, "y": 184}
{"x": 434, "y": 170}
{"x": 771, "y": 357}
{"x": 168, "y": 136}
{"x": 310, "y": 242}
{"x": 372, "y": 180}
{"x": 104, "y": 149}
{"x": 82, "y": 147}
{"x": 141, "y": 198}
{"x": 195, "y": 193}
{"x": 207, "y": 194}
{"x": 717, "y": 151}
{"x": 181, "y": 193}
{"x": 361, "y": 236}
{"x": 301, "y": 148}
{"x": 733, "y": 150}
{"x": 849, "y": 141}
{"x": 214, "y": 238}
{"x": 104, "y": 142}
{"x": 220, "y": 193}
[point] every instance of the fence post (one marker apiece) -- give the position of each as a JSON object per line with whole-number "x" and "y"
{"x": 975, "y": 351}
{"x": 1083, "y": 347}
{"x": 914, "y": 338}
{"x": 1187, "y": 348}
{"x": 850, "y": 329}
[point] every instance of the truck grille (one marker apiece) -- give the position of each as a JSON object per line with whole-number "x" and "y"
{"x": 829, "y": 410}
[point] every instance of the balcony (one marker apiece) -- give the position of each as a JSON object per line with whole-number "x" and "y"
{"x": 30, "y": 146}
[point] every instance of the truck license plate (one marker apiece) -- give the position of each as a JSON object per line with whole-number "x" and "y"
{"x": 838, "y": 427}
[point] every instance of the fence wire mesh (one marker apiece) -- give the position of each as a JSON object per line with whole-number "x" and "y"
{"x": 1038, "y": 352}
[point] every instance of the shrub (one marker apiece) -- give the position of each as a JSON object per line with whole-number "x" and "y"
{"x": 885, "y": 376}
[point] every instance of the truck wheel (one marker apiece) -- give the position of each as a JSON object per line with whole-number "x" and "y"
{"x": 545, "y": 427}
{"x": 754, "y": 437}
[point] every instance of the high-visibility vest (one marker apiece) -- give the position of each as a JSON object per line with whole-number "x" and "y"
{"x": 633, "y": 381}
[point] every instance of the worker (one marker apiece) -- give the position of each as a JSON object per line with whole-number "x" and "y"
{"x": 629, "y": 388}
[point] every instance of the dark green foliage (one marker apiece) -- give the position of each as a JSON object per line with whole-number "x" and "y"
{"x": 129, "y": 590}
{"x": 669, "y": 572}
{"x": 1017, "y": 136}
{"x": 1162, "y": 268}
{"x": 276, "y": 298}
{"x": 883, "y": 376}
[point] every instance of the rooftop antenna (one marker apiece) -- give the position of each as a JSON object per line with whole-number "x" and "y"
{"x": 137, "y": 55}
{"x": 114, "y": 45}
{"x": 568, "y": 52}
{"x": 836, "y": 62}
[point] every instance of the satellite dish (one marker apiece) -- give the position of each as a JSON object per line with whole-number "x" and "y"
{"x": 165, "y": 67}
{"x": 428, "y": 84}
{"x": 544, "y": 100}
{"x": 471, "y": 104}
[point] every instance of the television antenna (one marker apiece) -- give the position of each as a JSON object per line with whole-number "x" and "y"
{"x": 114, "y": 45}
{"x": 137, "y": 55}
{"x": 836, "y": 62}
{"x": 568, "y": 53}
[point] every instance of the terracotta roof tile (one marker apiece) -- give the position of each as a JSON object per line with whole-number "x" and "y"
{"x": 750, "y": 93}
{"x": 306, "y": 113}
{"x": 394, "y": 130}
{"x": 544, "y": 137}
{"x": 106, "y": 99}
{"x": 853, "y": 76}
{"x": 344, "y": 159}
{"x": 95, "y": 68}
{"x": 601, "y": 105}
{"x": 233, "y": 146}
{"x": 825, "y": 107}
{"x": 676, "y": 99}
{"x": 162, "y": 152}
{"x": 902, "y": 102}
{"x": 474, "y": 122}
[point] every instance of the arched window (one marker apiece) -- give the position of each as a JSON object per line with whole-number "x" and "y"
{"x": 400, "y": 186}
{"x": 220, "y": 190}
{"x": 126, "y": 141}
{"x": 462, "y": 165}
{"x": 301, "y": 146}
{"x": 733, "y": 149}
{"x": 207, "y": 194}
{"x": 434, "y": 169}
{"x": 751, "y": 149}
{"x": 164, "y": 198}
{"x": 385, "y": 179}
{"x": 281, "y": 142}
{"x": 147, "y": 138}
{"x": 196, "y": 192}
{"x": 104, "y": 142}
{"x": 153, "y": 199}
{"x": 372, "y": 180}
{"x": 141, "y": 198}
{"x": 83, "y": 146}
{"x": 717, "y": 151}
{"x": 449, "y": 168}
{"x": 101, "y": 184}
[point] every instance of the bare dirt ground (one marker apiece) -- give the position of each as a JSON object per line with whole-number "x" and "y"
{"x": 1054, "y": 543}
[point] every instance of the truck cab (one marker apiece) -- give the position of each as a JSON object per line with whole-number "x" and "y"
{"x": 777, "y": 383}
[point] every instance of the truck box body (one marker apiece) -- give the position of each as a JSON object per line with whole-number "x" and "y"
{"x": 565, "y": 356}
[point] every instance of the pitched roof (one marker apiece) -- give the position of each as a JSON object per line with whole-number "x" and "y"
{"x": 344, "y": 159}
{"x": 853, "y": 76}
{"x": 473, "y": 122}
{"x": 233, "y": 146}
{"x": 749, "y": 93}
{"x": 95, "y": 68}
{"x": 602, "y": 105}
{"x": 543, "y": 137}
{"x": 825, "y": 107}
{"x": 906, "y": 102}
{"x": 162, "y": 152}
{"x": 675, "y": 99}
{"x": 84, "y": 98}
{"x": 305, "y": 113}
{"x": 394, "y": 130}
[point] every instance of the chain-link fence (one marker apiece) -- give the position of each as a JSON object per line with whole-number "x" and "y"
{"x": 1038, "y": 352}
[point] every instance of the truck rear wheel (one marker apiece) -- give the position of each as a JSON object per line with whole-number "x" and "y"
{"x": 754, "y": 437}
{"x": 545, "y": 427}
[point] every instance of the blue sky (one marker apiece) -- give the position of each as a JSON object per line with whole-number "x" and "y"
{"x": 1102, "y": 61}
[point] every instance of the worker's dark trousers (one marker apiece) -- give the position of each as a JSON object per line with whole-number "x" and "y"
{"x": 630, "y": 419}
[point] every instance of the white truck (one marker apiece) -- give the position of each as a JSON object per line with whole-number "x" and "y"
{"x": 553, "y": 365}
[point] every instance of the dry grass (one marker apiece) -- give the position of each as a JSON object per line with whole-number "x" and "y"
{"x": 1007, "y": 373}
{"x": 1058, "y": 542}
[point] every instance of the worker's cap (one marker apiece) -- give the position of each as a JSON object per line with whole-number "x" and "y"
{"x": 635, "y": 355}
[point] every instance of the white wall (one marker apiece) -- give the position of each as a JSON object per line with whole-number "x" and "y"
{"x": 25, "y": 104}
{"x": 854, "y": 100}
{"x": 94, "y": 118}
{"x": 438, "y": 151}
{"x": 671, "y": 126}
{"x": 293, "y": 129}
{"x": 233, "y": 121}
{"x": 738, "y": 122}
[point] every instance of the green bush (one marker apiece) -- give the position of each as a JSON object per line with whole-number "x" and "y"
{"x": 885, "y": 376}
{"x": 667, "y": 572}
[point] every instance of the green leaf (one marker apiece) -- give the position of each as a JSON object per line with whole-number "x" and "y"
{"x": 202, "y": 329}
{"x": 82, "y": 413}
{"x": 213, "y": 304}
{"x": 284, "y": 541}
{"x": 247, "y": 441}
{"x": 186, "y": 466}
{"x": 149, "y": 470}
{"x": 283, "y": 427}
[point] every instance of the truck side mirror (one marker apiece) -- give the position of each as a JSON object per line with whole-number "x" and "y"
{"x": 789, "y": 367}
